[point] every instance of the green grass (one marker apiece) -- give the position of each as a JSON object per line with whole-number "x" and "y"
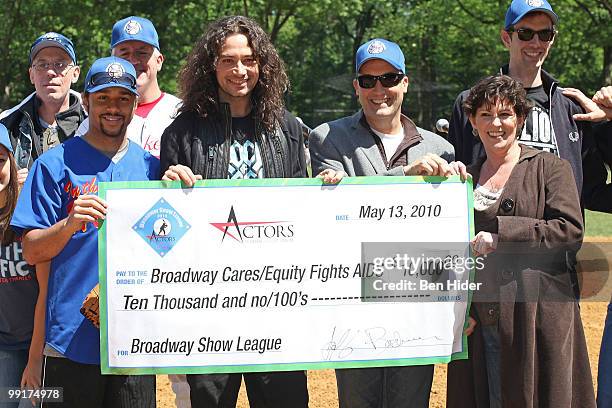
{"x": 598, "y": 224}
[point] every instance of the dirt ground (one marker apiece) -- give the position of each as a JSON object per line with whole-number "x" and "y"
{"x": 322, "y": 384}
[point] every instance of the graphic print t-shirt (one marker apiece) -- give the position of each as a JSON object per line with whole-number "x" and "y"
{"x": 245, "y": 157}
{"x": 18, "y": 293}
{"x": 538, "y": 131}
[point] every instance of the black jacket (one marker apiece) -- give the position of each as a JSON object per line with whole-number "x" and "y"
{"x": 25, "y": 132}
{"x": 575, "y": 140}
{"x": 203, "y": 145}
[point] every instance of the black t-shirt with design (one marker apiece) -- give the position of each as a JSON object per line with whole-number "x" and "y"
{"x": 538, "y": 131}
{"x": 245, "y": 157}
{"x": 18, "y": 294}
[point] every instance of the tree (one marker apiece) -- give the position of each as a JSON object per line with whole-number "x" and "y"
{"x": 448, "y": 44}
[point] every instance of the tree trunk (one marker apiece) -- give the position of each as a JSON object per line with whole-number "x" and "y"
{"x": 607, "y": 68}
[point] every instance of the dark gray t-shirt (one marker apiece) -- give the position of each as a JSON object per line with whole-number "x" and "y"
{"x": 538, "y": 131}
{"x": 18, "y": 293}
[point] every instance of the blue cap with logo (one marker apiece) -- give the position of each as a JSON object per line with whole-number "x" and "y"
{"x": 4, "y": 138}
{"x": 134, "y": 29}
{"x": 52, "y": 40}
{"x": 111, "y": 72}
{"x": 379, "y": 48}
{"x": 520, "y": 8}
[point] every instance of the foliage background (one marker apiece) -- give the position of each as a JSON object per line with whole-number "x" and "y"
{"x": 448, "y": 44}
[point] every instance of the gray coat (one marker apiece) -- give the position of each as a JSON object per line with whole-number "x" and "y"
{"x": 346, "y": 144}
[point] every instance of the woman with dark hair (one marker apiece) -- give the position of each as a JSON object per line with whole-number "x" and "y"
{"x": 528, "y": 221}
{"x": 18, "y": 285}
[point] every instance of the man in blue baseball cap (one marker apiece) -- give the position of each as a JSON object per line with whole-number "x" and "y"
{"x": 379, "y": 133}
{"x": 135, "y": 39}
{"x": 53, "y": 112}
{"x": 57, "y": 215}
{"x": 380, "y": 140}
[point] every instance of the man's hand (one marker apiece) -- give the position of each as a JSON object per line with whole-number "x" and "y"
{"x": 603, "y": 98}
{"x": 182, "y": 173}
{"x": 471, "y": 326}
{"x": 433, "y": 165}
{"x": 331, "y": 176}
{"x": 459, "y": 168}
{"x": 86, "y": 208}
{"x": 22, "y": 175}
{"x": 595, "y": 111}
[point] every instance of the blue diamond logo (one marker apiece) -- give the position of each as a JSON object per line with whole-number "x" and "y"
{"x": 161, "y": 227}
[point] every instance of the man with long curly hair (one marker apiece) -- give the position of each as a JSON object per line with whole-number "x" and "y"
{"x": 233, "y": 125}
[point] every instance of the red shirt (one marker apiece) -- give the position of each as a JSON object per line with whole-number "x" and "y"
{"x": 143, "y": 109}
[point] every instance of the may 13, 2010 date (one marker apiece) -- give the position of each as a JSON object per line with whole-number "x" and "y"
{"x": 400, "y": 211}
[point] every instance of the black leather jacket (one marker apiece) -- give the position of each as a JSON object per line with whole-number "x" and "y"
{"x": 203, "y": 145}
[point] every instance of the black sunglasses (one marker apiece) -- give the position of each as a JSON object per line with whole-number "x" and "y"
{"x": 526, "y": 34}
{"x": 102, "y": 78}
{"x": 387, "y": 80}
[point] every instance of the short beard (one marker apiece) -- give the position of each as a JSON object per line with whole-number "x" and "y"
{"x": 119, "y": 133}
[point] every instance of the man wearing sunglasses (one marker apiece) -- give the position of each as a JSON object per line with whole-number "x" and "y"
{"x": 57, "y": 215}
{"x": 53, "y": 112}
{"x": 380, "y": 140}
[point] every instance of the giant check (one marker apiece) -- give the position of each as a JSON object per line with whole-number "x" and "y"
{"x": 274, "y": 275}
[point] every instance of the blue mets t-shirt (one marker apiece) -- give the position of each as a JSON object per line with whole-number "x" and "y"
{"x": 55, "y": 181}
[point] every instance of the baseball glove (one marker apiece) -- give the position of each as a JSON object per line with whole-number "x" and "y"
{"x": 91, "y": 306}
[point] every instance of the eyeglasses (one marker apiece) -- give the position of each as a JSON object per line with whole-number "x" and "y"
{"x": 59, "y": 66}
{"x": 526, "y": 34}
{"x": 103, "y": 78}
{"x": 387, "y": 80}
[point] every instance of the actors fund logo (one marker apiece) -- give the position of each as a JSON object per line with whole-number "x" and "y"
{"x": 161, "y": 227}
{"x": 253, "y": 231}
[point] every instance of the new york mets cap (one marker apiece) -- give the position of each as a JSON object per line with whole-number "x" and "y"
{"x": 134, "y": 29}
{"x": 379, "y": 48}
{"x": 52, "y": 39}
{"x": 111, "y": 72}
{"x": 520, "y": 8}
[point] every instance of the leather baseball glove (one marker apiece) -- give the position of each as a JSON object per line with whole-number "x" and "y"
{"x": 91, "y": 306}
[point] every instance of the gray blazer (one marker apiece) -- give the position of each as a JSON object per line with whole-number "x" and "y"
{"x": 345, "y": 144}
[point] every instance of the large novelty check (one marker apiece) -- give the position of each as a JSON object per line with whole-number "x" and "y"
{"x": 275, "y": 275}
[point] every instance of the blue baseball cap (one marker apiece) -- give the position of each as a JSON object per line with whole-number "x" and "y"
{"x": 134, "y": 29}
{"x": 4, "y": 138}
{"x": 111, "y": 72}
{"x": 52, "y": 39}
{"x": 379, "y": 48}
{"x": 520, "y": 8}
